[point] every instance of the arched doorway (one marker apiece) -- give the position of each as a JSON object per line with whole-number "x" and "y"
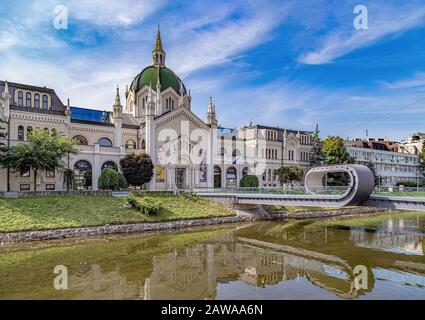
{"x": 217, "y": 177}
{"x": 245, "y": 171}
{"x": 231, "y": 177}
{"x": 83, "y": 175}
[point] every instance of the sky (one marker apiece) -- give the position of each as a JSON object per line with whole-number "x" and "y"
{"x": 291, "y": 64}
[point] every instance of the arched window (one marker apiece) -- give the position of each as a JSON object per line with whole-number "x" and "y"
{"x": 28, "y": 100}
{"x": 36, "y": 100}
{"x": 245, "y": 171}
{"x": 54, "y": 132}
{"x": 46, "y": 130}
{"x": 110, "y": 165}
{"x": 217, "y": 177}
{"x": 29, "y": 130}
{"x": 45, "y": 102}
{"x": 130, "y": 144}
{"x": 104, "y": 142}
{"x": 80, "y": 140}
{"x": 20, "y": 99}
{"x": 21, "y": 133}
{"x": 143, "y": 144}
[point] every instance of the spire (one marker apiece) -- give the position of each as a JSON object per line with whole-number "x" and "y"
{"x": 117, "y": 97}
{"x": 117, "y": 109}
{"x": 126, "y": 91}
{"x": 181, "y": 91}
{"x": 211, "y": 118}
{"x": 158, "y": 53}
{"x": 68, "y": 108}
{"x": 150, "y": 104}
{"x": 6, "y": 94}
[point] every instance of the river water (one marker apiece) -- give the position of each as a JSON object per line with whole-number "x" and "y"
{"x": 367, "y": 258}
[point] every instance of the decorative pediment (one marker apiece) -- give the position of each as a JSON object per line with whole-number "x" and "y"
{"x": 180, "y": 112}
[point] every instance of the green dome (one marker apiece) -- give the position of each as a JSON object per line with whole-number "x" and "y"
{"x": 149, "y": 75}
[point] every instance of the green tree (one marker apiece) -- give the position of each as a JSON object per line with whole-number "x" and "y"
{"x": 137, "y": 169}
{"x": 336, "y": 153}
{"x": 42, "y": 152}
{"x": 249, "y": 181}
{"x": 290, "y": 174}
{"x": 372, "y": 168}
{"x": 317, "y": 156}
{"x": 108, "y": 179}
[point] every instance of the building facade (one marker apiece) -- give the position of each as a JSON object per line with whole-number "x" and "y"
{"x": 187, "y": 151}
{"x": 413, "y": 144}
{"x": 392, "y": 167}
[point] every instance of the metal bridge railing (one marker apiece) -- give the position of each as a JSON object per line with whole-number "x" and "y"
{"x": 294, "y": 190}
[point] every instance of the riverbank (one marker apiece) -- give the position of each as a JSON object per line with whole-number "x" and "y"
{"x": 63, "y": 212}
{"x": 179, "y": 205}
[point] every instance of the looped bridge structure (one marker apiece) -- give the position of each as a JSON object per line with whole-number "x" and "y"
{"x": 314, "y": 193}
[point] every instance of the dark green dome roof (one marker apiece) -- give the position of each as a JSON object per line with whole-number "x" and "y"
{"x": 149, "y": 75}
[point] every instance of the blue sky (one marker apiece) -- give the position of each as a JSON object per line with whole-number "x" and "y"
{"x": 286, "y": 63}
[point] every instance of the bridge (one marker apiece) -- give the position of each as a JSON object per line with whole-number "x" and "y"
{"x": 316, "y": 193}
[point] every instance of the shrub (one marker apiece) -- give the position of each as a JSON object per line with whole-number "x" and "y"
{"x": 108, "y": 180}
{"x": 122, "y": 181}
{"x": 408, "y": 184}
{"x": 137, "y": 169}
{"x": 144, "y": 205}
{"x": 249, "y": 181}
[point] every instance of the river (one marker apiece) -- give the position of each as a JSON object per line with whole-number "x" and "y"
{"x": 365, "y": 258}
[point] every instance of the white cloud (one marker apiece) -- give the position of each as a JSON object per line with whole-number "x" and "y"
{"x": 418, "y": 80}
{"x": 115, "y": 13}
{"x": 226, "y": 39}
{"x": 383, "y": 21}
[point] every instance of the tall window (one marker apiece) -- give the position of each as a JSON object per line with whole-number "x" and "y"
{"x": 29, "y": 130}
{"x": 20, "y": 99}
{"x": 28, "y": 100}
{"x": 44, "y": 102}
{"x": 130, "y": 144}
{"x": 170, "y": 103}
{"x": 36, "y": 100}
{"x": 21, "y": 133}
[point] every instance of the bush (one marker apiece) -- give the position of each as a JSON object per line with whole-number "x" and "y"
{"x": 144, "y": 205}
{"x": 249, "y": 181}
{"x": 137, "y": 169}
{"x": 409, "y": 184}
{"x": 122, "y": 181}
{"x": 108, "y": 180}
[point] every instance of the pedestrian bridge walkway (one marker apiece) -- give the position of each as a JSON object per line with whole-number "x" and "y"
{"x": 313, "y": 193}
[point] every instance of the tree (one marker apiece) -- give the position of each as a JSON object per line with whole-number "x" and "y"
{"x": 290, "y": 174}
{"x": 108, "y": 179}
{"x": 372, "y": 168}
{"x": 137, "y": 169}
{"x": 336, "y": 153}
{"x": 42, "y": 152}
{"x": 317, "y": 156}
{"x": 249, "y": 181}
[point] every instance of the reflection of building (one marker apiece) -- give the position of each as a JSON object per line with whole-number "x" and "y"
{"x": 157, "y": 119}
{"x": 392, "y": 167}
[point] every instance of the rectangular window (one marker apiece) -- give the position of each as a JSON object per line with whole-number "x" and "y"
{"x": 24, "y": 187}
{"x": 50, "y": 187}
{"x": 50, "y": 174}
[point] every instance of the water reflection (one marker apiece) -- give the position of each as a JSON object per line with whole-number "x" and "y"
{"x": 259, "y": 261}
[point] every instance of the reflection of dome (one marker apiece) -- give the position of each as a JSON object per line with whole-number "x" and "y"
{"x": 149, "y": 76}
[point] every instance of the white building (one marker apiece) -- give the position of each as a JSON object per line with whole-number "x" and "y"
{"x": 392, "y": 167}
{"x": 157, "y": 119}
{"x": 413, "y": 144}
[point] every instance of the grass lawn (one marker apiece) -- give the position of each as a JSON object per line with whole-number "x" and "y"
{"x": 419, "y": 194}
{"x": 39, "y": 213}
{"x": 275, "y": 209}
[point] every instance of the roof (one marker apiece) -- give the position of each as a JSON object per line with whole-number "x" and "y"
{"x": 56, "y": 107}
{"x": 149, "y": 76}
{"x": 90, "y": 115}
